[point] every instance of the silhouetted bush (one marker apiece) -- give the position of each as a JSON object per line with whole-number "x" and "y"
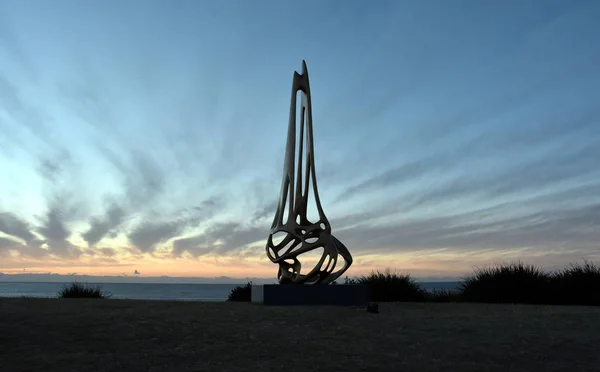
{"x": 388, "y": 286}
{"x": 81, "y": 290}
{"x": 241, "y": 293}
{"x": 507, "y": 283}
{"x": 576, "y": 285}
{"x": 516, "y": 282}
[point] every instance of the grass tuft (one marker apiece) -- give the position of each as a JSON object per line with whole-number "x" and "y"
{"x": 388, "y": 286}
{"x": 240, "y": 293}
{"x": 578, "y": 284}
{"x": 514, "y": 282}
{"x": 81, "y": 290}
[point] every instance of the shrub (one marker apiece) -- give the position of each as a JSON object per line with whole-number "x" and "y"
{"x": 388, "y": 286}
{"x": 241, "y": 293}
{"x": 80, "y": 290}
{"x": 507, "y": 283}
{"x": 576, "y": 285}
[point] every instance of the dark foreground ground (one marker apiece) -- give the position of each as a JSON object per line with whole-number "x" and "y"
{"x": 117, "y": 335}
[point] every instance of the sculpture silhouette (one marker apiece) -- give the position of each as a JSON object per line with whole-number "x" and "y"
{"x": 299, "y": 234}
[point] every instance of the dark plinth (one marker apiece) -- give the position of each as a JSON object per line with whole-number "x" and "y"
{"x": 298, "y": 294}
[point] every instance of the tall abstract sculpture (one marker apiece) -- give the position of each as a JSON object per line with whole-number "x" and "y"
{"x": 299, "y": 234}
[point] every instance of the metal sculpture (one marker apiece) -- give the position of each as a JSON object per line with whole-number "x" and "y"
{"x": 299, "y": 234}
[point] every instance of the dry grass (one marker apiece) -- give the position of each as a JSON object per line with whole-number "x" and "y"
{"x": 117, "y": 335}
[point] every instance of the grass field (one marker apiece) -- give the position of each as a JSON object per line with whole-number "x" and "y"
{"x": 119, "y": 335}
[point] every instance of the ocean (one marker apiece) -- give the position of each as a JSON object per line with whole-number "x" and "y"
{"x": 151, "y": 291}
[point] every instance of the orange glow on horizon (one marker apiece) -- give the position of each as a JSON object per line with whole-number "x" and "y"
{"x": 419, "y": 263}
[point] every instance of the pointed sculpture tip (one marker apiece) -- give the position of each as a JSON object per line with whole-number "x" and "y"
{"x": 304, "y": 69}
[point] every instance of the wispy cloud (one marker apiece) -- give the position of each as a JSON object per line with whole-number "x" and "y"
{"x": 13, "y": 226}
{"x": 101, "y": 226}
{"x": 220, "y": 239}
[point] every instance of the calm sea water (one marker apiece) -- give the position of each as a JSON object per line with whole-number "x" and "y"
{"x": 148, "y": 291}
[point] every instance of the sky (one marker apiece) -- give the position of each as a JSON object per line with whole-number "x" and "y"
{"x": 150, "y": 135}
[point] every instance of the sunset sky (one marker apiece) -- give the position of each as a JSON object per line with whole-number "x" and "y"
{"x": 149, "y": 135}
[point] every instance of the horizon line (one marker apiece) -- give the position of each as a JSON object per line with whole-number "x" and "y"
{"x": 9, "y": 277}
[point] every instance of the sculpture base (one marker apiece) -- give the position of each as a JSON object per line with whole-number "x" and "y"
{"x": 298, "y": 294}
